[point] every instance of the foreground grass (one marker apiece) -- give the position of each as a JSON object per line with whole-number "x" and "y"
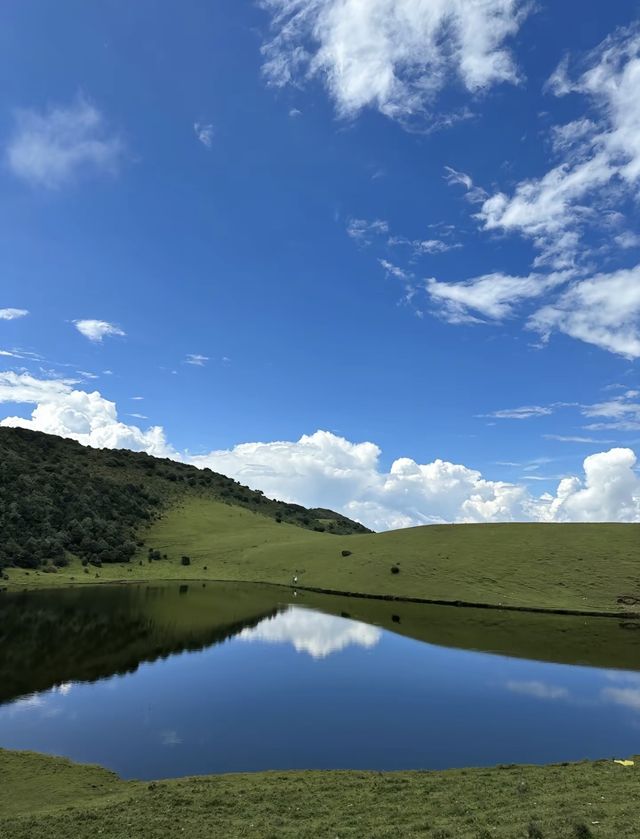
{"x": 583, "y": 567}
{"x": 44, "y": 798}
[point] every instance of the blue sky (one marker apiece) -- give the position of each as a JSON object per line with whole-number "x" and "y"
{"x": 399, "y": 223}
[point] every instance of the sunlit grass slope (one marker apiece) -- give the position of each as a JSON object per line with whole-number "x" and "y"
{"x": 584, "y": 567}
{"x": 50, "y": 798}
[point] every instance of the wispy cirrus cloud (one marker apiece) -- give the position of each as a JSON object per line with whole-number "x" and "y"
{"x": 196, "y": 359}
{"x": 205, "y": 133}
{"x": 53, "y": 147}
{"x": 365, "y": 232}
{"x": 599, "y": 158}
{"x": 525, "y": 412}
{"x": 494, "y": 296}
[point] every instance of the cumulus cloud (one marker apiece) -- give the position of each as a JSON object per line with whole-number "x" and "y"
{"x": 603, "y": 310}
{"x": 53, "y": 147}
{"x": 12, "y": 314}
{"x": 312, "y": 632}
{"x": 88, "y": 418}
{"x": 610, "y": 491}
{"x": 96, "y": 330}
{"x": 325, "y": 470}
{"x": 392, "y": 55}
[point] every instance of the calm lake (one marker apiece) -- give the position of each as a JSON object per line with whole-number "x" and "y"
{"x": 162, "y": 681}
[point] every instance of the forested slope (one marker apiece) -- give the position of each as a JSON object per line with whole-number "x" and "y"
{"x": 59, "y": 498}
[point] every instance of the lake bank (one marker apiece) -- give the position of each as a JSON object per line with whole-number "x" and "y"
{"x": 45, "y": 797}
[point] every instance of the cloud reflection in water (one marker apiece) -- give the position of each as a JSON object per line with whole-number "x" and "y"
{"x": 312, "y": 632}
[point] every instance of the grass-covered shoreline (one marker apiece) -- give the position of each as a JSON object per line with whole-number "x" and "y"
{"x": 583, "y": 569}
{"x": 44, "y": 797}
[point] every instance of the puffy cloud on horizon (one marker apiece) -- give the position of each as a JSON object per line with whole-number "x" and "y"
{"x": 325, "y": 470}
{"x": 88, "y": 418}
{"x": 53, "y": 147}
{"x": 610, "y": 491}
{"x": 96, "y": 330}
{"x": 393, "y": 55}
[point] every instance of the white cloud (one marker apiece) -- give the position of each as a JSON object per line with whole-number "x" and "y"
{"x": 312, "y": 632}
{"x": 627, "y": 239}
{"x": 493, "y": 296}
{"x": 610, "y": 491}
{"x": 205, "y": 133}
{"x": 96, "y": 330}
{"x": 526, "y": 412}
{"x": 395, "y": 270}
{"x": 474, "y": 194}
{"x": 12, "y": 314}
{"x": 52, "y": 148}
{"x": 621, "y": 413}
{"x": 364, "y": 232}
{"x": 563, "y": 438}
{"x": 603, "y": 310}
{"x": 424, "y": 246}
{"x": 453, "y": 176}
{"x": 393, "y": 55}
{"x": 600, "y": 158}
{"x": 88, "y": 418}
{"x": 196, "y": 359}
{"x": 325, "y": 470}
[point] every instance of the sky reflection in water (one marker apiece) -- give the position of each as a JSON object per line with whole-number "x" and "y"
{"x": 306, "y": 690}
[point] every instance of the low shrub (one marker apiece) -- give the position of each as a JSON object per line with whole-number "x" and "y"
{"x": 185, "y": 560}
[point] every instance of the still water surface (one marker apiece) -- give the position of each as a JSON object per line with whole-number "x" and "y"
{"x": 166, "y": 681}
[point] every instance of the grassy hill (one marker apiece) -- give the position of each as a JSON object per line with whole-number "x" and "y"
{"x": 45, "y": 798}
{"x": 59, "y": 499}
{"x": 231, "y": 533}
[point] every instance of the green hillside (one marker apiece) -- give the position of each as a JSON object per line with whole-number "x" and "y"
{"x": 588, "y": 568}
{"x": 195, "y": 525}
{"x": 59, "y": 499}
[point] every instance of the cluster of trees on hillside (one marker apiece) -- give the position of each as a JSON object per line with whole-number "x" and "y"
{"x": 58, "y": 498}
